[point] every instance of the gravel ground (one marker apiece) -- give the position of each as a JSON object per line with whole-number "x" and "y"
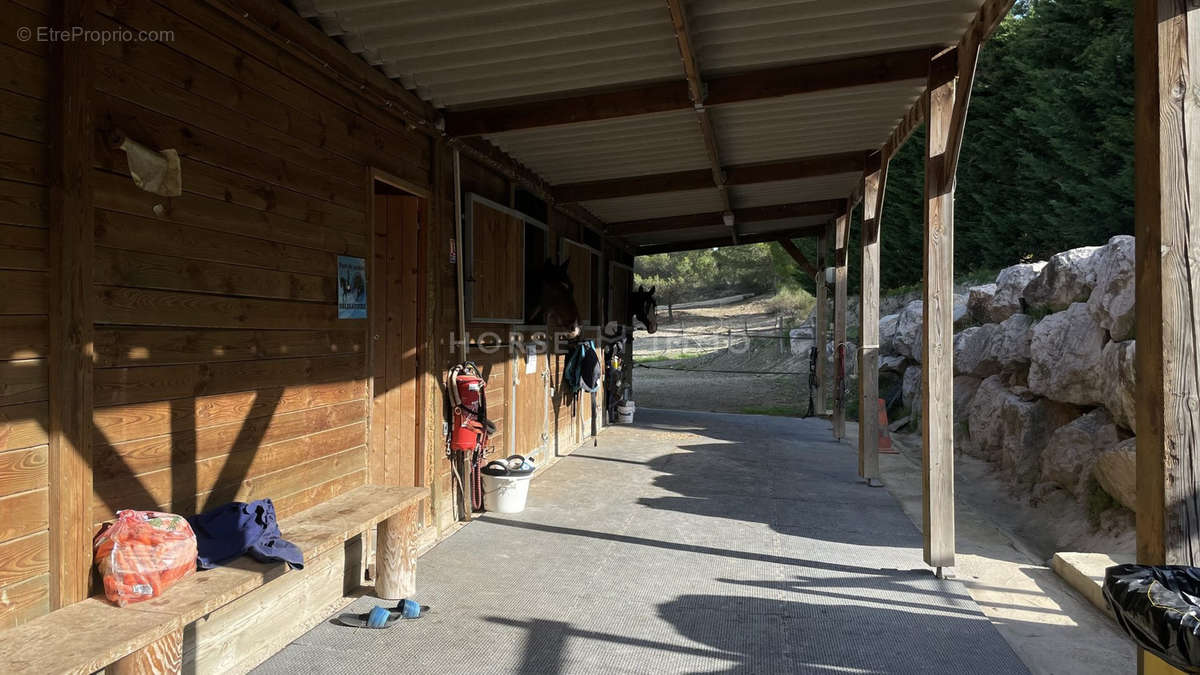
{"x": 718, "y": 392}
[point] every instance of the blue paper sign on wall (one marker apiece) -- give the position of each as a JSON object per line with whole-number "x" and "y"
{"x": 352, "y": 287}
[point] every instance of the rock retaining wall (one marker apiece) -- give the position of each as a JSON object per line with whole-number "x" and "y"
{"x": 1044, "y": 365}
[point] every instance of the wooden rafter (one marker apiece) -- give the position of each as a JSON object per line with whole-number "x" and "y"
{"x": 874, "y": 190}
{"x": 986, "y": 20}
{"x": 798, "y": 255}
{"x": 736, "y": 174}
{"x": 716, "y": 218}
{"x": 696, "y": 91}
{"x": 646, "y": 99}
{"x": 755, "y": 238}
{"x": 486, "y": 153}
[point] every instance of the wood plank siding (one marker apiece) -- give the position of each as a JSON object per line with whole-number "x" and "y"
{"x": 218, "y": 366}
{"x": 24, "y": 320}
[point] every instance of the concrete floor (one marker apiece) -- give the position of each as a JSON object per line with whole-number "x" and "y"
{"x": 687, "y": 543}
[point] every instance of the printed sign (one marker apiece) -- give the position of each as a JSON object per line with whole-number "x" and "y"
{"x": 352, "y": 287}
{"x": 453, "y": 251}
{"x": 530, "y": 359}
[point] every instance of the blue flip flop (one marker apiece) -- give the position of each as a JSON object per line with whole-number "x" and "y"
{"x": 383, "y": 617}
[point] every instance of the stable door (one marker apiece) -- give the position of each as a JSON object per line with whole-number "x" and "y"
{"x": 395, "y": 458}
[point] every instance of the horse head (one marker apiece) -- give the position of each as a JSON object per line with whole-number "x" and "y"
{"x": 644, "y": 307}
{"x": 558, "y": 299}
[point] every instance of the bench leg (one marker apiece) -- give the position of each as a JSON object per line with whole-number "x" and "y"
{"x": 396, "y": 555}
{"x": 161, "y": 657}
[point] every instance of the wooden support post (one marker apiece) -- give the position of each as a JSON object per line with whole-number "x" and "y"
{"x": 1167, "y": 186}
{"x": 937, "y": 387}
{"x": 164, "y": 656}
{"x": 71, "y": 362}
{"x": 874, "y": 186}
{"x": 396, "y": 566}
{"x": 841, "y": 228}
{"x": 822, "y": 320}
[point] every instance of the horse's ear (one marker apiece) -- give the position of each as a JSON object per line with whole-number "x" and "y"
{"x": 641, "y": 288}
{"x": 652, "y": 289}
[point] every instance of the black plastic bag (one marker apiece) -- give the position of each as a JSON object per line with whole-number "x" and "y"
{"x": 1158, "y": 607}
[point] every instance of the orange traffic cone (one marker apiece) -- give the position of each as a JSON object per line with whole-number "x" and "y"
{"x": 885, "y": 437}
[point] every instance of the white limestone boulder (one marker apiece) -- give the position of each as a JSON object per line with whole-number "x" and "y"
{"x": 907, "y": 339}
{"x": 971, "y": 349}
{"x": 962, "y": 317}
{"x": 1007, "y": 429}
{"x": 1010, "y": 289}
{"x": 994, "y": 348}
{"x": 1068, "y": 277}
{"x": 887, "y": 334}
{"x": 1112, "y": 301}
{"x": 1009, "y": 346}
{"x": 912, "y": 389}
{"x": 1118, "y": 381}
{"x": 1116, "y": 472}
{"x": 893, "y": 364}
{"x": 1072, "y": 450}
{"x": 965, "y": 388}
{"x": 979, "y": 302}
{"x": 1066, "y": 356}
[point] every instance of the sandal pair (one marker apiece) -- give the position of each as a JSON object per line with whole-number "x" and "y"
{"x": 383, "y": 617}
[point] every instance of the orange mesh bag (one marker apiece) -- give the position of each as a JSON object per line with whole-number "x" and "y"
{"x": 143, "y": 553}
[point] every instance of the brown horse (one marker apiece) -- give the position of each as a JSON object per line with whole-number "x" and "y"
{"x": 643, "y": 306}
{"x": 556, "y": 306}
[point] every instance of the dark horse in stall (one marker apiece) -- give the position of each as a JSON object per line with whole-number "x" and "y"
{"x": 556, "y": 306}
{"x": 643, "y": 306}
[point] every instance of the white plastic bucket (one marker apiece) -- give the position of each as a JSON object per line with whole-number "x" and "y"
{"x": 625, "y": 412}
{"x": 505, "y": 494}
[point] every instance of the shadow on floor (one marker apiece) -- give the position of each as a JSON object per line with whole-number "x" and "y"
{"x": 756, "y": 635}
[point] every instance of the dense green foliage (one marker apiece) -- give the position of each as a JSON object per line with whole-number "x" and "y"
{"x": 709, "y": 273}
{"x": 1047, "y": 159}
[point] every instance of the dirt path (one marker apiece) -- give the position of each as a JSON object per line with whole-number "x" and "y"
{"x": 707, "y": 329}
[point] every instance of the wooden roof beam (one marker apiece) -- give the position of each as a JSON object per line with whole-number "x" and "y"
{"x": 698, "y": 179}
{"x": 653, "y": 98}
{"x": 986, "y": 20}
{"x": 756, "y": 238}
{"x": 829, "y": 207}
{"x": 797, "y": 255}
{"x": 696, "y": 91}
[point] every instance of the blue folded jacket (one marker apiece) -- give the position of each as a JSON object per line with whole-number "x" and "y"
{"x": 237, "y": 528}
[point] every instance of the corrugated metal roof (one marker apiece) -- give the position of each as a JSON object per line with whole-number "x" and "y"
{"x": 790, "y": 191}
{"x": 657, "y": 205}
{"x": 466, "y": 51}
{"x": 471, "y": 53}
{"x": 673, "y": 236}
{"x": 782, "y": 225}
{"x": 627, "y": 146}
{"x": 841, "y": 120}
{"x": 733, "y": 35}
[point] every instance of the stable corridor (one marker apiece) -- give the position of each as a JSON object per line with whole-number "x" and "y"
{"x": 689, "y": 542}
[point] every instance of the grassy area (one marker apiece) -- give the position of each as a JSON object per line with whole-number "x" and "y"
{"x": 653, "y": 358}
{"x": 792, "y": 302}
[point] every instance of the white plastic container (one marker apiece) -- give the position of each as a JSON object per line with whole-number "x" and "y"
{"x": 625, "y": 412}
{"x": 505, "y": 494}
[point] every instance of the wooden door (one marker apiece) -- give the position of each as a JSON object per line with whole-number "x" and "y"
{"x": 394, "y": 459}
{"x": 531, "y": 397}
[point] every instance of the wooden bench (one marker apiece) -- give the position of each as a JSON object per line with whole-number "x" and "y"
{"x": 147, "y": 637}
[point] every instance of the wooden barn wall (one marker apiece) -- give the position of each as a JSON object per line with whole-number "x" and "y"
{"x": 221, "y": 369}
{"x": 24, "y": 334}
